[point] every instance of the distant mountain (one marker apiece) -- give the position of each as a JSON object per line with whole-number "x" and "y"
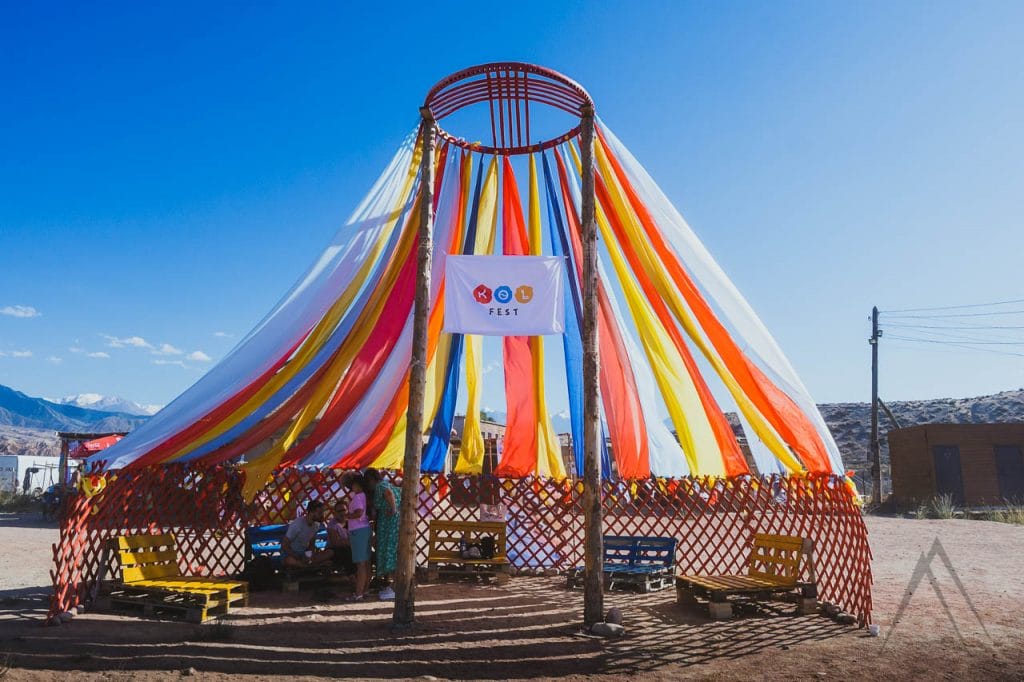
{"x": 95, "y": 401}
{"x": 18, "y": 409}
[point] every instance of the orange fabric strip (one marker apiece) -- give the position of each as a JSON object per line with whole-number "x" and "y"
{"x": 778, "y": 408}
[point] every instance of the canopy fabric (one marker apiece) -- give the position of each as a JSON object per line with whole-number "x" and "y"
{"x": 322, "y": 380}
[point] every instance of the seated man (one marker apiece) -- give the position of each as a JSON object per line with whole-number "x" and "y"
{"x": 338, "y": 540}
{"x": 298, "y": 546}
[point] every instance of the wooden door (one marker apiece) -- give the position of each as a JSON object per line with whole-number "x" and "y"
{"x": 949, "y": 478}
{"x": 1010, "y": 471}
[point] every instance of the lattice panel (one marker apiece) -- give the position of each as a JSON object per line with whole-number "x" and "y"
{"x": 713, "y": 521}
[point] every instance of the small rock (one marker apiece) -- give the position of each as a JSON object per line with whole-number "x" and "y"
{"x": 614, "y": 616}
{"x": 608, "y": 630}
{"x": 188, "y": 672}
{"x": 66, "y": 617}
{"x": 821, "y": 674}
{"x": 550, "y": 572}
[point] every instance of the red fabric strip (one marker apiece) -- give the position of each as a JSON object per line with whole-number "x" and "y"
{"x": 519, "y": 457}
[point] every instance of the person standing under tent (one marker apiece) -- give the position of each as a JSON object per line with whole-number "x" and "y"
{"x": 359, "y": 534}
{"x": 386, "y": 499}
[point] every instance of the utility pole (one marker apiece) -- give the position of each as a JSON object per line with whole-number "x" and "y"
{"x": 876, "y": 453}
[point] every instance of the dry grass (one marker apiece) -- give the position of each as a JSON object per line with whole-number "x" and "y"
{"x": 941, "y": 507}
{"x": 16, "y": 502}
{"x": 1012, "y": 513}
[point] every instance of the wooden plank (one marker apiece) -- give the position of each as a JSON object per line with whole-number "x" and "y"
{"x": 145, "y": 541}
{"x": 133, "y": 574}
{"x": 143, "y": 558}
{"x": 779, "y": 541}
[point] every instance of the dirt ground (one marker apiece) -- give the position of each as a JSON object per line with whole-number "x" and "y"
{"x": 949, "y": 597}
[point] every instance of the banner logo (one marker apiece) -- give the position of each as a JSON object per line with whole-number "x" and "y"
{"x": 503, "y": 295}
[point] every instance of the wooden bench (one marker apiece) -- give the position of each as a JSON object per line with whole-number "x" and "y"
{"x": 773, "y": 568}
{"x": 152, "y": 582}
{"x": 446, "y": 540}
{"x": 266, "y": 541}
{"x": 646, "y": 563}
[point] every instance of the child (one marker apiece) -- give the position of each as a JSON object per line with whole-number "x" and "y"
{"x": 338, "y": 540}
{"x": 359, "y": 535}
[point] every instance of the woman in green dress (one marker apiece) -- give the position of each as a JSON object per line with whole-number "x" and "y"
{"x": 386, "y": 500}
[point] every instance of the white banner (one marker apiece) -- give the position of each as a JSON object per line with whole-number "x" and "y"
{"x": 504, "y": 295}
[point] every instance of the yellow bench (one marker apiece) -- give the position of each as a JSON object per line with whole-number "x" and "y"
{"x": 447, "y": 539}
{"x": 773, "y": 568}
{"x": 151, "y": 580}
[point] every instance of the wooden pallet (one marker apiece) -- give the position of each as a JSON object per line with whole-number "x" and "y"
{"x": 149, "y": 563}
{"x": 642, "y": 582}
{"x": 172, "y": 605}
{"x": 443, "y": 555}
{"x": 476, "y": 568}
{"x": 643, "y": 563}
{"x": 773, "y": 570}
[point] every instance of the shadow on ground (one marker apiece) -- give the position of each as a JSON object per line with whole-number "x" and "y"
{"x": 26, "y": 519}
{"x": 528, "y": 629}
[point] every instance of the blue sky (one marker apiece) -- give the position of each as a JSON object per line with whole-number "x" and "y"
{"x": 169, "y": 169}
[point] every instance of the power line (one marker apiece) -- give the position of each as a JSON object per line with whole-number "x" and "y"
{"x": 956, "y": 340}
{"x": 937, "y": 317}
{"x": 965, "y": 326}
{"x": 970, "y": 335}
{"x": 972, "y": 346}
{"x": 953, "y": 307}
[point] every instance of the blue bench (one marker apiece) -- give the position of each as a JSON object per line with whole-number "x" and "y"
{"x": 647, "y": 563}
{"x": 266, "y": 541}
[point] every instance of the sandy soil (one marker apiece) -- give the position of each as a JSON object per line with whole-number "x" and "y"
{"x": 957, "y": 617}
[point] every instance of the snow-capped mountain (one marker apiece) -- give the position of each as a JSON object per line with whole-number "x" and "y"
{"x": 102, "y": 403}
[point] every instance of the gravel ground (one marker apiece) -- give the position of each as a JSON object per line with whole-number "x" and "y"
{"x": 960, "y": 620}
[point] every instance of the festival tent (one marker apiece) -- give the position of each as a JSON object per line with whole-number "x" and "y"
{"x": 326, "y": 381}
{"x": 322, "y": 380}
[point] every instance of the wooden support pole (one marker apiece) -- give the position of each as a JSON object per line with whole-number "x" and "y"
{"x": 405, "y": 568}
{"x": 593, "y": 549}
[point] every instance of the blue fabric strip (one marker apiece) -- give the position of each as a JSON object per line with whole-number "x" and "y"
{"x": 441, "y": 430}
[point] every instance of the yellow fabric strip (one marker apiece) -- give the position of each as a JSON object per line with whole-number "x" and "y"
{"x": 322, "y": 331}
{"x": 549, "y": 452}
{"x": 471, "y": 453}
{"x": 693, "y": 429}
{"x": 393, "y": 454}
{"x": 671, "y": 296}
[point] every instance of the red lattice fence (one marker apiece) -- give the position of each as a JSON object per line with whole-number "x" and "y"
{"x": 713, "y": 521}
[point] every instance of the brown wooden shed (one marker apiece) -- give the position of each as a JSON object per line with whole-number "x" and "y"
{"x": 978, "y": 464}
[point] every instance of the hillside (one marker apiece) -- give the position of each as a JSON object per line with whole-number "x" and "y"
{"x": 850, "y": 423}
{"x": 27, "y": 424}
